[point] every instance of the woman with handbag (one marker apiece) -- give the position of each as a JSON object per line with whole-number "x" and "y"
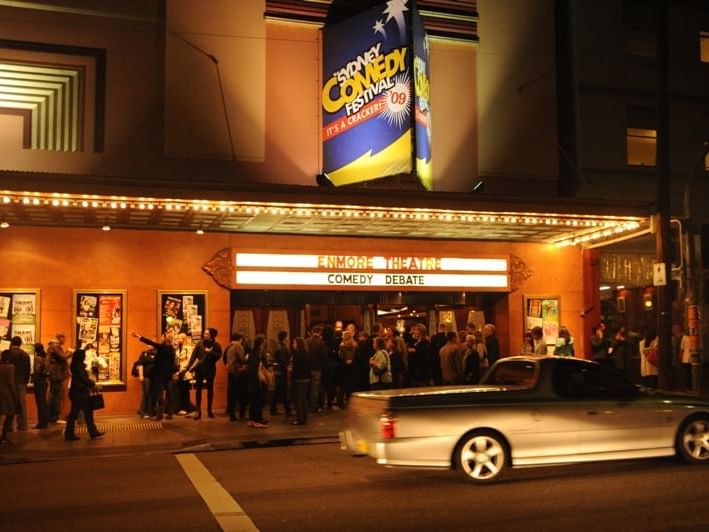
{"x": 80, "y": 395}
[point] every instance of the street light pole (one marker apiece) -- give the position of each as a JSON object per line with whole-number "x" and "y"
{"x": 664, "y": 299}
{"x": 691, "y": 285}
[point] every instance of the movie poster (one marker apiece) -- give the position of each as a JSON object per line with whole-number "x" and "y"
{"x": 100, "y": 330}
{"x": 19, "y": 316}
{"x": 183, "y": 312}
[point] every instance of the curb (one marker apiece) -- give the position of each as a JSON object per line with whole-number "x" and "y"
{"x": 190, "y": 446}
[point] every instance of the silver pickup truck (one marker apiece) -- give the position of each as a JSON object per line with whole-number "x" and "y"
{"x": 526, "y": 412}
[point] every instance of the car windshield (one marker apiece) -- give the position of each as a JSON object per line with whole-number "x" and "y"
{"x": 512, "y": 373}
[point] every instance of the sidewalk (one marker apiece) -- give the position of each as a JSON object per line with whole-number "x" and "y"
{"x": 127, "y": 435}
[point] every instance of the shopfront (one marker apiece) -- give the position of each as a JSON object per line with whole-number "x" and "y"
{"x": 135, "y": 270}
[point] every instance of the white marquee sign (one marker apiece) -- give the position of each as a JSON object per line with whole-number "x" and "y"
{"x": 394, "y": 272}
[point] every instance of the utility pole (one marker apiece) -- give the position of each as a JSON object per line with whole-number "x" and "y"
{"x": 692, "y": 285}
{"x": 662, "y": 262}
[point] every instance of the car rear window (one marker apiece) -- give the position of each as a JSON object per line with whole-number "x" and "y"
{"x": 513, "y": 373}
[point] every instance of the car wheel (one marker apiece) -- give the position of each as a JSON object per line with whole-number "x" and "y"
{"x": 481, "y": 457}
{"x": 693, "y": 440}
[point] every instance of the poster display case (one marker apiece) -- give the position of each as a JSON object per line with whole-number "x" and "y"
{"x": 544, "y": 312}
{"x": 19, "y": 316}
{"x": 182, "y": 312}
{"x": 100, "y": 329}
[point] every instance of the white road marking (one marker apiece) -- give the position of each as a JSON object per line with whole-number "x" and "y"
{"x": 230, "y": 516}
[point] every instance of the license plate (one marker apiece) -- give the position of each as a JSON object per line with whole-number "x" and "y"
{"x": 363, "y": 446}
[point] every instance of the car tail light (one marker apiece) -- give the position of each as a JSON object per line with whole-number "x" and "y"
{"x": 387, "y": 426}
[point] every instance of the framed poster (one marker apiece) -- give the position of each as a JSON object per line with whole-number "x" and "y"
{"x": 182, "y": 312}
{"x": 544, "y": 312}
{"x": 100, "y": 329}
{"x": 19, "y": 316}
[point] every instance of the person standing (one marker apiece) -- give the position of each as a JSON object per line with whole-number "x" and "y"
{"x": 540, "y": 344}
{"x": 79, "y": 393}
{"x": 317, "y": 359}
{"x": 235, "y": 360}
{"x": 682, "y": 358}
{"x": 471, "y": 361}
{"x": 565, "y": 344}
{"x": 257, "y": 358}
{"x": 58, "y": 374}
{"x": 648, "y": 357}
{"x": 164, "y": 369}
{"x": 527, "y": 344}
{"x": 183, "y": 351}
{"x": 146, "y": 370}
{"x": 365, "y": 350}
{"x": 601, "y": 348}
{"x": 347, "y": 353}
{"x": 396, "y": 348}
{"x": 438, "y": 340}
{"x": 203, "y": 363}
{"x": 380, "y": 366}
{"x": 492, "y": 343}
{"x": 40, "y": 381}
{"x": 420, "y": 357}
{"x": 280, "y": 363}
{"x": 20, "y": 360}
{"x": 451, "y": 368}
{"x": 301, "y": 380}
{"x": 9, "y": 402}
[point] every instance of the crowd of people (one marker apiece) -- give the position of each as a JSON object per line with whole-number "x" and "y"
{"x": 305, "y": 375}
{"x": 300, "y": 376}
{"x": 48, "y": 373}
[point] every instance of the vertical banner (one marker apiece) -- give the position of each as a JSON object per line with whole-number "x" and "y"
{"x": 367, "y": 95}
{"x": 422, "y": 110}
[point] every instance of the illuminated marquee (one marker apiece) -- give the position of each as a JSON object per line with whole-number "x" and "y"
{"x": 264, "y": 270}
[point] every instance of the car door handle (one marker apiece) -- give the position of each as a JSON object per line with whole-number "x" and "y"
{"x": 592, "y": 412}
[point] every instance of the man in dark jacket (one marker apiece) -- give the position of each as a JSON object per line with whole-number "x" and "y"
{"x": 492, "y": 343}
{"x": 163, "y": 370}
{"x": 420, "y": 357}
{"x": 237, "y": 380}
{"x": 203, "y": 363}
{"x": 18, "y": 358}
{"x": 281, "y": 361}
{"x": 317, "y": 359}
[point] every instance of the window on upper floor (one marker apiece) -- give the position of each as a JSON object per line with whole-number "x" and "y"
{"x": 640, "y": 136}
{"x": 704, "y": 46}
{"x": 52, "y": 96}
{"x": 641, "y": 146}
{"x": 639, "y": 24}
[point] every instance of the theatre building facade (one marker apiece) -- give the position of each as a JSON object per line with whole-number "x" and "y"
{"x": 161, "y": 165}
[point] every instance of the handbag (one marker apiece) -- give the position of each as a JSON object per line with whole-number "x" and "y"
{"x": 96, "y": 401}
{"x": 651, "y": 356}
{"x": 266, "y": 377}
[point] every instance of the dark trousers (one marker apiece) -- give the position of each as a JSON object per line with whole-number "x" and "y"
{"x": 159, "y": 395}
{"x": 204, "y": 381}
{"x": 6, "y": 426}
{"x": 56, "y": 393}
{"x": 40, "y": 398}
{"x": 80, "y": 404}
{"x": 300, "y": 399}
{"x": 280, "y": 394}
{"x": 147, "y": 407}
{"x": 256, "y": 405}
{"x": 183, "y": 391}
{"x": 231, "y": 389}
